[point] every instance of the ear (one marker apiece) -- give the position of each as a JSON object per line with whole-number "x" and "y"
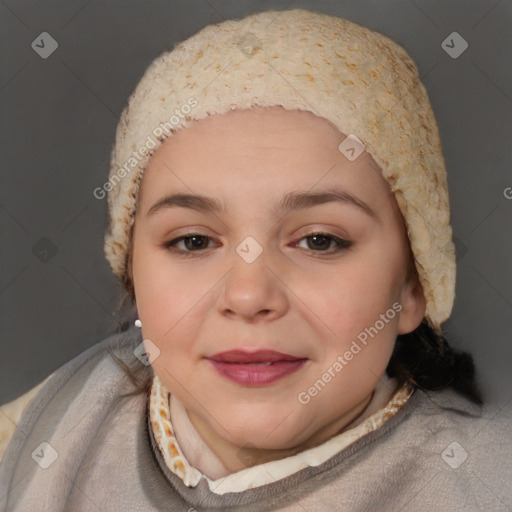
{"x": 413, "y": 305}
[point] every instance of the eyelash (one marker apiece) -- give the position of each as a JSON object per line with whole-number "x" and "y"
{"x": 342, "y": 244}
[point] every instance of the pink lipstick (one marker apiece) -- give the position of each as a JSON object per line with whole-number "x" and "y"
{"x": 255, "y": 368}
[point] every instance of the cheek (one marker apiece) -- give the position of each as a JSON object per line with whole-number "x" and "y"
{"x": 352, "y": 296}
{"x": 171, "y": 299}
{"x": 357, "y": 311}
{"x": 363, "y": 317}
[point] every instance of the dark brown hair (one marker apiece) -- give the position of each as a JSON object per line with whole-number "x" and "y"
{"x": 424, "y": 359}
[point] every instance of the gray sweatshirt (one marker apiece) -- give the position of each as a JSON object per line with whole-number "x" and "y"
{"x": 81, "y": 445}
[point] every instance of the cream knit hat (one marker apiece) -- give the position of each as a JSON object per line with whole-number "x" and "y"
{"x": 361, "y": 81}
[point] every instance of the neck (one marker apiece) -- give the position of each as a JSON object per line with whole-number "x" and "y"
{"x": 233, "y": 457}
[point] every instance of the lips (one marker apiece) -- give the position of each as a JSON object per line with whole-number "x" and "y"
{"x": 255, "y": 368}
{"x": 261, "y": 356}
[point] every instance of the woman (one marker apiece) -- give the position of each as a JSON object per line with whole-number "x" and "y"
{"x": 279, "y": 217}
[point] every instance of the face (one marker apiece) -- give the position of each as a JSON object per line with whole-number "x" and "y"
{"x": 310, "y": 279}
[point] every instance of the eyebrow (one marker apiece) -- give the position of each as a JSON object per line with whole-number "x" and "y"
{"x": 291, "y": 201}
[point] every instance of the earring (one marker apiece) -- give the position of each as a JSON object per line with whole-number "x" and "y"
{"x": 138, "y": 323}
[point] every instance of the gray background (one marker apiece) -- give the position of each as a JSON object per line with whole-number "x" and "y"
{"x": 58, "y": 119}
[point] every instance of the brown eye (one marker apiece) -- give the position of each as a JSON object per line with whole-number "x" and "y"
{"x": 321, "y": 242}
{"x": 317, "y": 243}
{"x": 192, "y": 243}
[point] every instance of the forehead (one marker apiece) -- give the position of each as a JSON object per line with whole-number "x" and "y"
{"x": 267, "y": 150}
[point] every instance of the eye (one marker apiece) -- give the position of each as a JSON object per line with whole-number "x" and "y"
{"x": 192, "y": 243}
{"x": 320, "y": 242}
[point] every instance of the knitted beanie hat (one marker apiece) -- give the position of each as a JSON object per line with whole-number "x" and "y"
{"x": 360, "y": 80}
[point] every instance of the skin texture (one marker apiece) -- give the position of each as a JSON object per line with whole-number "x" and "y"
{"x": 295, "y": 297}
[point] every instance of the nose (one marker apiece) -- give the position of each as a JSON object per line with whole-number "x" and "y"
{"x": 253, "y": 291}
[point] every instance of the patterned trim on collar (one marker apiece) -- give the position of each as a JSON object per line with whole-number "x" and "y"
{"x": 160, "y": 420}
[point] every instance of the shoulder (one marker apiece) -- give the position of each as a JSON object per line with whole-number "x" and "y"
{"x": 88, "y": 410}
{"x": 450, "y": 413}
{"x": 71, "y": 379}
{"x": 12, "y": 411}
{"x": 447, "y": 410}
{"x": 458, "y": 448}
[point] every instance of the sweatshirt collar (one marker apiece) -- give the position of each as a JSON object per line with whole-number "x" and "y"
{"x": 184, "y": 452}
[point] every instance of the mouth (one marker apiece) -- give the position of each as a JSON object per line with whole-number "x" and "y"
{"x": 255, "y": 368}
